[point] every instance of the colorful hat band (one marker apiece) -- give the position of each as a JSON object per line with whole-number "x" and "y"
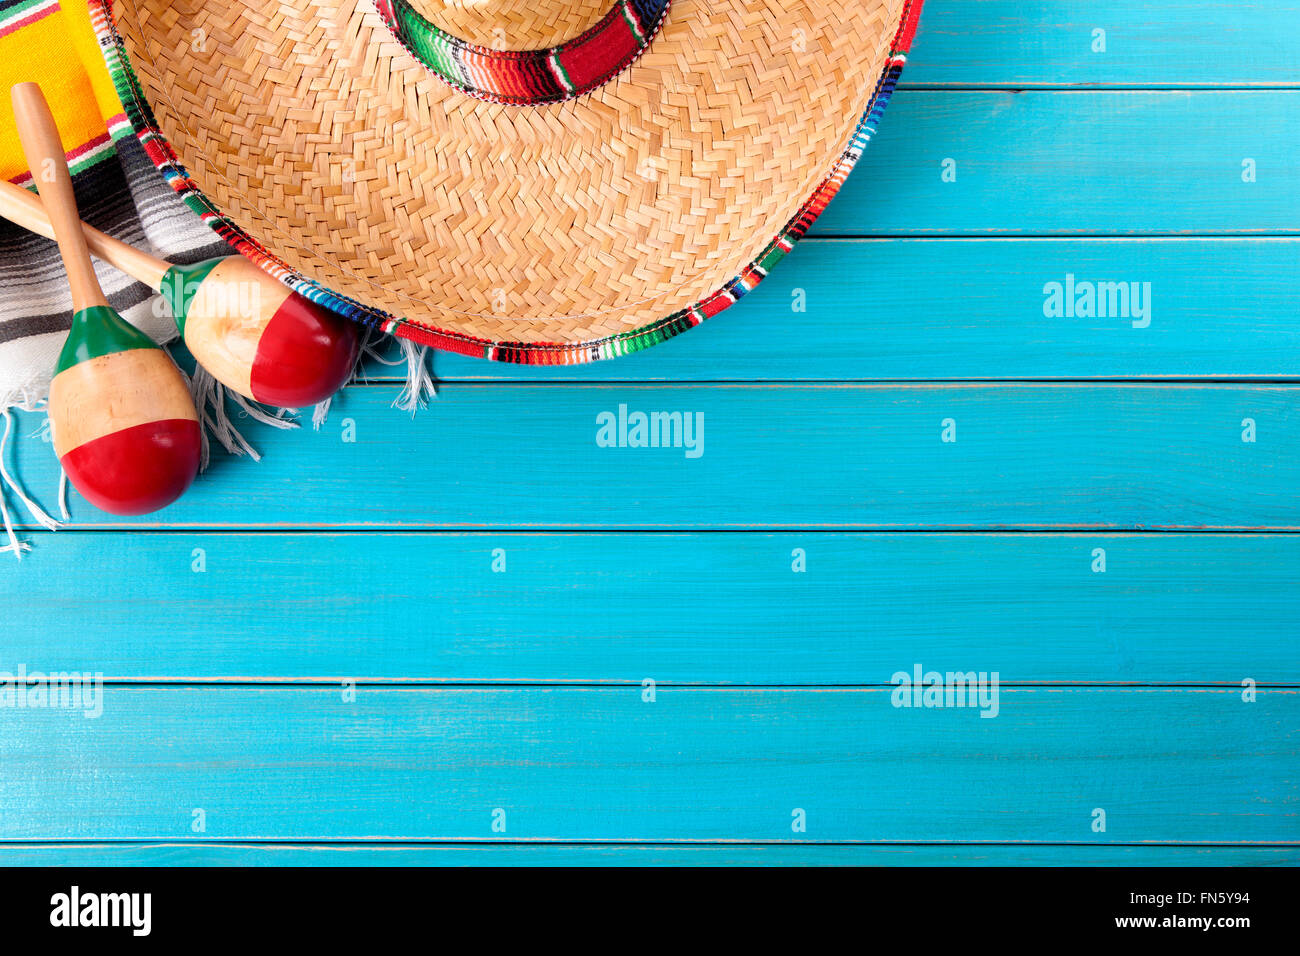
{"x": 530, "y": 77}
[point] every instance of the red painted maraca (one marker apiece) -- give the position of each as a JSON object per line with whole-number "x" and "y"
{"x": 121, "y": 417}
{"x": 253, "y": 333}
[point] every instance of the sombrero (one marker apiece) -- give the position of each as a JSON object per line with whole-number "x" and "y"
{"x": 540, "y": 181}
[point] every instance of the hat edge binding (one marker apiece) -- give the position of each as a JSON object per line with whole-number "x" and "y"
{"x": 163, "y": 156}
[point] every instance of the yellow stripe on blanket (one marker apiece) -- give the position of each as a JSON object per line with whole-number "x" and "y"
{"x": 57, "y": 49}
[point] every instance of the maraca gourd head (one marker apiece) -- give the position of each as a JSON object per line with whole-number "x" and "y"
{"x": 123, "y": 423}
{"x": 258, "y": 336}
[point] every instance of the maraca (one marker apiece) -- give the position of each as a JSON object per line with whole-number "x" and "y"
{"x": 121, "y": 416}
{"x": 252, "y": 332}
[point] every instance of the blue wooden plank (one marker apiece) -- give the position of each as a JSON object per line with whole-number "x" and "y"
{"x": 1123, "y": 457}
{"x": 1189, "y": 43}
{"x": 538, "y": 854}
{"x": 727, "y": 608}
{"x": 712, "y": 764}
{"x": 1075, "y": 163}
{"x": 1219, "y": 308}
{"x": 1165, "y": 766}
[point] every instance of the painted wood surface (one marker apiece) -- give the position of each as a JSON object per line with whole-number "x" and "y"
{"x": 1075, "y": 163}
{"x": 521, "y": 690}
{"x": 1219, "y": 308}
{"x": 1189, "y": 43}
{"x": 695, "y": 764}
{"x": 631, "y": 854}
{"x": 677, "y": 608}
{"x": 1121, "y": 457}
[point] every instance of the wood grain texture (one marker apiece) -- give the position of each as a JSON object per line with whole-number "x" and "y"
{"x": 1190, "y": 43}
{"x": 1220, "y": 308}
{"x": 722, "y": 608}
{"x": 109, "y": 393}
{"x": 44, "y": 151}
{"x": 1123, "y": 457}
{"x": 1142, "y": 186}
{"x": 27, "y": 210}
{"x": 631, "y": 854}
{"x": 227, "y": 317}
{"x": 1187, "y": 766}
{"x": 1075, "y": 163}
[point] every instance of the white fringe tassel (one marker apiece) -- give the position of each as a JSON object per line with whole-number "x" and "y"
{"x": 368, "y": 351}
{"x": 210, "y": 401}
{"x": 63, "y": 494}
{"x": 36, "y": 511}
{"x": 210, "y": 398}
{"x": 320, "y": 413}
{"x": 419, "y": 380}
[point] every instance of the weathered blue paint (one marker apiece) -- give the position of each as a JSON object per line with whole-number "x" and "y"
{"x": 1123, "y": 457}
{"x": 1190, "y": 43}
{"x": 716, "y": 608}
{"x": 1036, "y": 182}
{"x": 1070, "y": 163}
{"x": 631, "y": 854}
{"x": 306, "y": 764}
{"x": 1220, "y": 308}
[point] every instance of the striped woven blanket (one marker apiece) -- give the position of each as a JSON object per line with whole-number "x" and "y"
{"x": 118, "y": 190}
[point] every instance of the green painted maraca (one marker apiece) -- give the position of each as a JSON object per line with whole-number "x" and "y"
{"x": 123, "y": 423}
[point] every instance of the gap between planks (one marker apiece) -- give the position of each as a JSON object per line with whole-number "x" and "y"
{"x": 542, "y": 841}
{"x": 619, "y": 686}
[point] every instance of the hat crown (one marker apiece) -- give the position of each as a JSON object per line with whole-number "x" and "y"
{"x": 525, "y": 53}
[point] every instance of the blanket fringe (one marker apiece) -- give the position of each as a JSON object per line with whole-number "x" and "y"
{"x": 215, "y": 421}
{"x": 63, "y": 493}
{"x": 320, "y": 413}
{"x": 11, "y": 486}
{"x": 419, "y": 379}
{"x": 210, "y": 398}
{"x": 370, "y": 349}
{"x": 420, "y": 385}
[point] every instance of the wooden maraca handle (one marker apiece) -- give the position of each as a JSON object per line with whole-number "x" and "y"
{"x": 305, "y": 357}
{"x": 25, "y": 209}
{"x": 45, "y": 158}
{"x": 254, "y": 334}
{"x": 121, "y": 417}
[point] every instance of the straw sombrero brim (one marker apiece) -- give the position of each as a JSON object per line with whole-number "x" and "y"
{"x": 310, "y": 138}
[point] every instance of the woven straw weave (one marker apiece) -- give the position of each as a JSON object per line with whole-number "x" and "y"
{"x": 309, "y": 125}
{"x": 522, "y": 24}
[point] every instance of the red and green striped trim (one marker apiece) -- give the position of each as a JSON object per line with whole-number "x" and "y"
{"x": 530, "y": 77}
{"x": 15, "y": 16}
{"x": 525, "y": 353}
{"x": 79, "y": 159}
